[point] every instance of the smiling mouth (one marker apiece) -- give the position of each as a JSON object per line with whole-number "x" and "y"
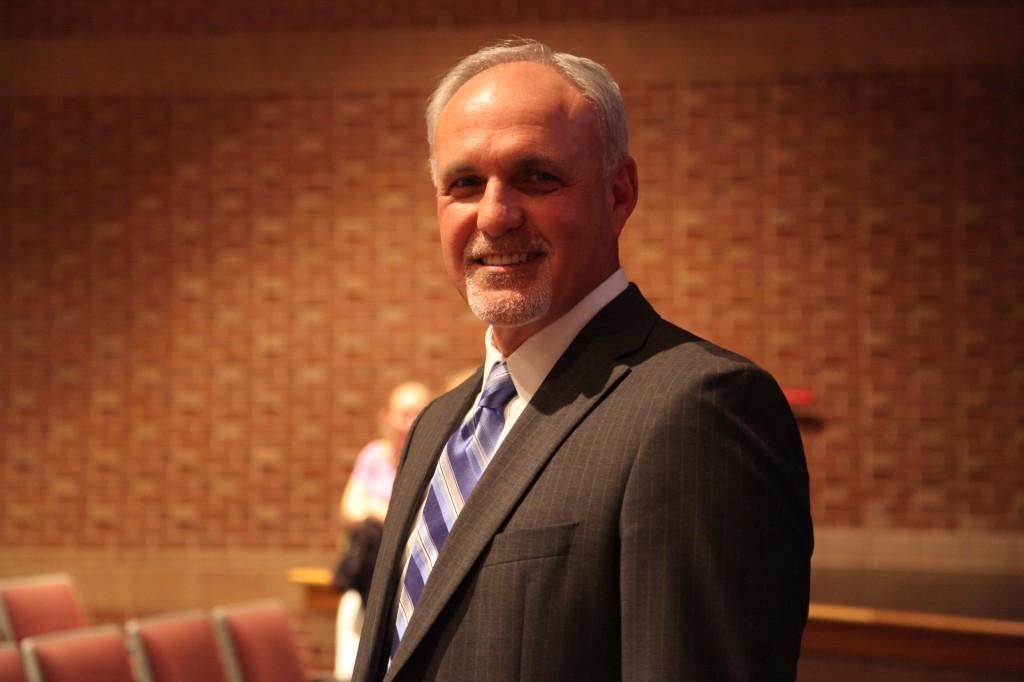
{"x": 507, "y": 259}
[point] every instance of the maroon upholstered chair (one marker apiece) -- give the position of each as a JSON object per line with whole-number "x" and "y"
{"x": 11, "y": 669}
{"x": 83, "y": 655}
{"x": 176, "y": 647}
{"x": 35, "y": 605}
{"x": 258, "y": 643}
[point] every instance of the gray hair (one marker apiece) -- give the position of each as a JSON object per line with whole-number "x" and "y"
{"x": 588, "y": 77}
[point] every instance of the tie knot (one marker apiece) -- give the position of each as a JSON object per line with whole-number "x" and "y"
{"x": 498, "y": 389}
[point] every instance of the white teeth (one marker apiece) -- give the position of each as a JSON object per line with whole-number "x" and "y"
{"x": 505, "y": 259}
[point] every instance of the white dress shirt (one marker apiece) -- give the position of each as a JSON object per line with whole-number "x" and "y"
{"x": 530, "y": 363}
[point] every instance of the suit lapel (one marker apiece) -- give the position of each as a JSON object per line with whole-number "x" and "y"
{"x": 581, "y": 378}
{"x": 428, "y": 435}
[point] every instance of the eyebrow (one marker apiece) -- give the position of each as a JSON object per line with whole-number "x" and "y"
{"x": 535, "y": 160}
{"x": 517, "y": 165}
{"x": 458, "y": 169}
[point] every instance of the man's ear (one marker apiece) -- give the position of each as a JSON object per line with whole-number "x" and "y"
{"x": 625, "y": 190}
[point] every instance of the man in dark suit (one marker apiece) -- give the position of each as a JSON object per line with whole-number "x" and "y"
{"x": 638, "y": 507}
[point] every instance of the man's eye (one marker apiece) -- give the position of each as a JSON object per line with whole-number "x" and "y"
{"x": 541, "y": 180}
{"x": 464, "y": 186}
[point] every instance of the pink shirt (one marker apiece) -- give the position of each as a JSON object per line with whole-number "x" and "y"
{"x": 374, "y": 469}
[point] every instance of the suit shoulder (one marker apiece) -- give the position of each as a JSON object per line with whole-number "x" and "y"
{"x": 672, "y": 348}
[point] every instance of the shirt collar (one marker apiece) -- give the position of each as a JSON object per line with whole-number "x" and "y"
{"x": 530, "y": 363}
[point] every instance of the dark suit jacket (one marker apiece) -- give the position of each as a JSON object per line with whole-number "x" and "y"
{"x": 646, "y": 518}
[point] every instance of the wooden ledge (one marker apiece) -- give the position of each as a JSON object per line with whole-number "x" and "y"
{"x": 318, "y": 594}
{"x": 912, "y": 636}
{"x": 839, "y": 630}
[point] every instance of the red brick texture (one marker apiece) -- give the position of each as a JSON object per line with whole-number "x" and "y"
{"x": 51, "y": 18}
{"x": 205, "y": 302}
{"x": 863, "y": 237}
{"x": 205, "y": 298}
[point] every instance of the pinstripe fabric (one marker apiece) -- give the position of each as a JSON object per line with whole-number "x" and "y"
{"x": 645, "y": 520}
{"x": 463, "y": 461}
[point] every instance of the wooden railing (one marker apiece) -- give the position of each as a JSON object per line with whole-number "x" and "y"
{"x": 317, "y": 592}
{"x": 916, "y": 637}
{"x": 834, "y": 629}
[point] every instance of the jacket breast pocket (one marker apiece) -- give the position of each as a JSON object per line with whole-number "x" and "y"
{"x": 530, "y": 543}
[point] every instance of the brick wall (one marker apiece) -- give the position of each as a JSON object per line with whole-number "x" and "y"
{"x": 861, "y": 236}
{"x": 209, "y": 278}
{"x": 207, "y": 301}
{"x": 163, "y": 17}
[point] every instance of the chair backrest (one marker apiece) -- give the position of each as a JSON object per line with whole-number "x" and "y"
{"x": 36, "y": 605}
{"x": 176, "y": 647}
{"x": 84, "y": 655}
{"x": 258, "y": 642}
{"x": 11, "y": 669}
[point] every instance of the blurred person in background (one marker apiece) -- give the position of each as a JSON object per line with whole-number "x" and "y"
{"x": 364, "y": 504}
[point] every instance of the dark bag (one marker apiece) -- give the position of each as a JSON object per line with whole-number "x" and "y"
{"x": 355, "y": 566}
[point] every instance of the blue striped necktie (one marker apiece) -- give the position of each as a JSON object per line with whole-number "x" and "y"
{"x": 461, "y": 464}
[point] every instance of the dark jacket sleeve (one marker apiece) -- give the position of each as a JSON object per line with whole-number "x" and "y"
{"x": 716, "y": 534}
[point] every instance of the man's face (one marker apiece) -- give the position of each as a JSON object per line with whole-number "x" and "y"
{"x": 529, "y": 221}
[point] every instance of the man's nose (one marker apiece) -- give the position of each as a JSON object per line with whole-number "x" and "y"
{"x": 499, "y": 210}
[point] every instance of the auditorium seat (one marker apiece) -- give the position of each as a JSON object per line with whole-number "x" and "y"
{"x": 36, "y": 605}
{"x": 176, "y": 647}
{"x": 258, "y": 642}
{"x": 95, "y": 654}
{"x": 11, "y": 669}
